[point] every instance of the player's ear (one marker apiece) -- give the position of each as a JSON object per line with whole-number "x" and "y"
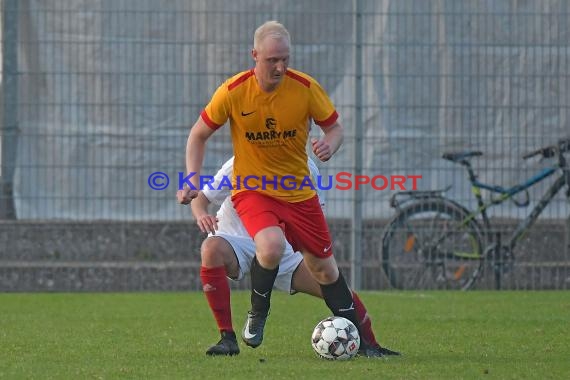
{"x": 254, "y": 54}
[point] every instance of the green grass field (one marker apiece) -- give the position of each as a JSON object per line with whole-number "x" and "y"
{"x": 443, "y": 335}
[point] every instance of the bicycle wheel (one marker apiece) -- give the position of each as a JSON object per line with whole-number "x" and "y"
{"x": 430, "y": 245}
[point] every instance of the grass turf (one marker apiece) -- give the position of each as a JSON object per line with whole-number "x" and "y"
{"x": 443, "y": 335}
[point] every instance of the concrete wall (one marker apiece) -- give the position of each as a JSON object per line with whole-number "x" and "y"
{"x": 164, "y": 256}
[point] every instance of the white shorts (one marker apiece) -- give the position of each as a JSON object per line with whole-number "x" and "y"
{"x": 244, "y": 249}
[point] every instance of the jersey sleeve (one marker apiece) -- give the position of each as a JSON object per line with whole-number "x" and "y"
{"x": 321, "y": 108}
{"x": 217, "y": 112}
{"x": 219, "y": 191}
{"x": 315, "y": 174}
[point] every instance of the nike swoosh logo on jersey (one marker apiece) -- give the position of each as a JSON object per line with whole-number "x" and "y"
{"x": 325, "y": 250}
{"x": 246, "y": 332}
{"x": 246, "y": 113}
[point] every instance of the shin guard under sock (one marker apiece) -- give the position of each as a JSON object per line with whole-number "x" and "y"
{"x": 366, "y": 332}
{"x": 338, "y": 298}
{"x": 217, "y": 292}
{"x": 262, "y": 281}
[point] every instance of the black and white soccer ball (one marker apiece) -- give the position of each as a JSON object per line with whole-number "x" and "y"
{"x": 336, "y": 338}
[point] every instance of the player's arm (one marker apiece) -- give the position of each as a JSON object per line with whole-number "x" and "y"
{"x": 205, "y": 221}
{"x": 220, "y": 188}
{"x": 215, "y": 194}
{"x": 326, "y": 146}
{"x": 195, "y": 148}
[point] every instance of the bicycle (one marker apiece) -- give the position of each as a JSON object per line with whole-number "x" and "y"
{"x": 434, "y": 242}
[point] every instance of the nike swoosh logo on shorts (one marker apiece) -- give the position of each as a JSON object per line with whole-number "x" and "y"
{"x": 325, "y": 250}
{"x": 246, "y": 332}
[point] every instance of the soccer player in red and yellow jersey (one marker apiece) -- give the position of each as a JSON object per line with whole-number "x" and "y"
{"x": 270, "y": 109}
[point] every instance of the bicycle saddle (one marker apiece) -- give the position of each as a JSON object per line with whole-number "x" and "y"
{"x": 459, "y": 156}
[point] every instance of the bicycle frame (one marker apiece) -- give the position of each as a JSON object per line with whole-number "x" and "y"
{"x": 507, "y": 194}
{"x": 473, "y": 226}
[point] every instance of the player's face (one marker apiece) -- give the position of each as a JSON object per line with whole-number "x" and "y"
{"x": 271, "y": 61}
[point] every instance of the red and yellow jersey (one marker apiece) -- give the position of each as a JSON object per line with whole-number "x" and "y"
{"x": 270, "y": 130}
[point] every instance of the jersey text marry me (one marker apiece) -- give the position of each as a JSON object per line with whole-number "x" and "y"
{"x": 270, "y": 130}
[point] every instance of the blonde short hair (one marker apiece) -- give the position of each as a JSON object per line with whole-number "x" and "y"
{"x": 271, "y": 28}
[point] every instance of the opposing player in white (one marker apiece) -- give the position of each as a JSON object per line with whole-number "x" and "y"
{"x": 228, "y": 251}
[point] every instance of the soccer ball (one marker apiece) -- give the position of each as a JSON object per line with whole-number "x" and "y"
{"x": 336, "y": 338}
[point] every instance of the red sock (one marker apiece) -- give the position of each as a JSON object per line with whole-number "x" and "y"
{"x": 217, "y": 292}
{"x": 366, "y": 332}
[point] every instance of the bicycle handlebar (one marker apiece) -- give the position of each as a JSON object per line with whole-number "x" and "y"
{"x": 550, "y": 151}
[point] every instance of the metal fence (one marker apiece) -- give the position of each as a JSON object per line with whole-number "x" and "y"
{"x": 98, "y": 95}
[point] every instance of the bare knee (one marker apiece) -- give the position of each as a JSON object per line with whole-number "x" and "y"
{"x": 304, "y": 282}
{"x": 269, "y": 245}
{"x": 326, "y": 276}
{"x": 216, "y": 252}
{"x": 325, "y": 271}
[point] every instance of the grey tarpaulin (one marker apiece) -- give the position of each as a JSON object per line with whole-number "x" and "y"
{"x": 108, "y": 90}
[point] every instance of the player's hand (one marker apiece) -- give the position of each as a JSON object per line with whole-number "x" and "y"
{"x": 207, "y": 223}
{"x": 321, "y": 149}
{"x": 186, "y": 195}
